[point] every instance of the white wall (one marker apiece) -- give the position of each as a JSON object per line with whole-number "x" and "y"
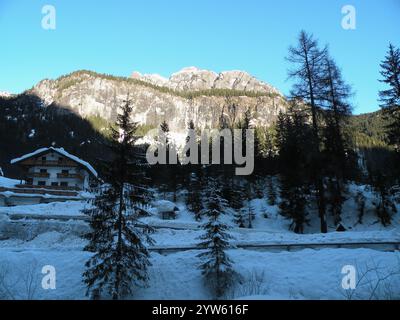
{"x": 53, "y": 171}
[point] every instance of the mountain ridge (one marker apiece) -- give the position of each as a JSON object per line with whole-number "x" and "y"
{"x": 93, "y": 94}
{"x": 195, "y": 79}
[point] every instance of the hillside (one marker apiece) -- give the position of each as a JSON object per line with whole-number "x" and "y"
{"x": 75, "y": 110}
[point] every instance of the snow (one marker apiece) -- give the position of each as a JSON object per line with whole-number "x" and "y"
{"x": 307, "y": 274}
{"x": 68, "y": 208}
{"x": 32, "y": 133}
{"x": 60, "y": 151}
{"x": 8, "y": 183}
{"x": 265, "y": 274}
{"x": 164, "y": 205}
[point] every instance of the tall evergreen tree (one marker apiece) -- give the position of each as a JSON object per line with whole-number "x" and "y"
{"x": 216, "y": 267}
{"x": 335, "y": 95}
{"x": 120, "y": 258}
{"x": 390, "y": 97}
{"x": 307, "y": 59}
{"x": 293, "y": 134}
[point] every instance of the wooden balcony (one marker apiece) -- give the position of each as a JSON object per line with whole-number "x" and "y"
{"x": 61, "y": 188}
{"x": 69, "y": 176}
{"x": 49, "y": 163}
{"x": 39, "y": 174}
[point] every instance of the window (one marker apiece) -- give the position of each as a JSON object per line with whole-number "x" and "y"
{"x": 65, "y": 171}
{"x": 41, "y": 183}
{"x": 64, "y": 184}
{"x": 43, "y": 170}
{"x": 54, "y": 184}
{"x": 60, "y": 160}
{"x": 43, "y": 159}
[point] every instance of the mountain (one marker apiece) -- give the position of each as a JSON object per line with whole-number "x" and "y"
{"x": 5, "y": 94}
{"x": 190, "y": 94}
{"x": 194, "y": 79}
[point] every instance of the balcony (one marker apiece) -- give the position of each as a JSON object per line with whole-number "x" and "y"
{"x": 27, "y": 188}
{"x": 69, "y": 176}
{"x": 39, "y": 175}
{"x": 51, "y": 163}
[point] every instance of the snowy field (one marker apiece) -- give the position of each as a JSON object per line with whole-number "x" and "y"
{"x": 27, "y": 244}
{"x": 306, "y": 274}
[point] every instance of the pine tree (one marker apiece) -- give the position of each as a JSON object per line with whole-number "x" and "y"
{"x": 120, "y": 258}
{"x": 307, "y": 60}
{"x": 216, "y": 267}
{"x": 390, "y": 98}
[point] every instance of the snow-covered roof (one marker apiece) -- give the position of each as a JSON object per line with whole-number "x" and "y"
{"x": 59, "y": 151}
{"x": 164, "y": 205}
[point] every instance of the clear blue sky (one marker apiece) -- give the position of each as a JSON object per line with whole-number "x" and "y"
{"x": 163, "y": 36}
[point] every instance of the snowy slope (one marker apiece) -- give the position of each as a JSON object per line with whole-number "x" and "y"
{"x": 8, "y": 183}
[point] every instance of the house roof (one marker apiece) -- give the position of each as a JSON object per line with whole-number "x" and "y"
{"x": 60, "y": 151}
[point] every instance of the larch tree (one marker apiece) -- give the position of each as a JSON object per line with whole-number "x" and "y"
{"x": 307, "y": 60}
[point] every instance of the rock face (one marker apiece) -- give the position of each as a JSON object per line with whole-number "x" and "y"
{"x": 194, "y": 79}
{"x": 156, "y": 99}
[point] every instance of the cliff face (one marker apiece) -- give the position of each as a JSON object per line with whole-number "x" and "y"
{"x": 194, "y": 79}
{"x": 191, "y": 94}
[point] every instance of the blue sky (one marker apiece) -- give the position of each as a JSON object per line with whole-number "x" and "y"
{"x": 159, "y": 36}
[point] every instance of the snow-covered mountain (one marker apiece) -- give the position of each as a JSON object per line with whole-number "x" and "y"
{"x": 5, "y": 94}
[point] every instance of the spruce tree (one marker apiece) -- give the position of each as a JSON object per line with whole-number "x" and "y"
{"x": 293, "y": 133}
{"x": 216, "y": 265}
{"x": 390, "y": 97}
{"x": 120, "y": 258}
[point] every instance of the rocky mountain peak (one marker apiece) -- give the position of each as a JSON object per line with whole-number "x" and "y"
{"x": 196, "y": 79}
{"x": 156, "y": 99}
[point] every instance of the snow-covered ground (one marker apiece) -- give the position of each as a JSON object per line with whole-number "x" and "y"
{"x": 306, "y": 274}
{"x": 28, "y": 244}
{"x": 8, "y": 183}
